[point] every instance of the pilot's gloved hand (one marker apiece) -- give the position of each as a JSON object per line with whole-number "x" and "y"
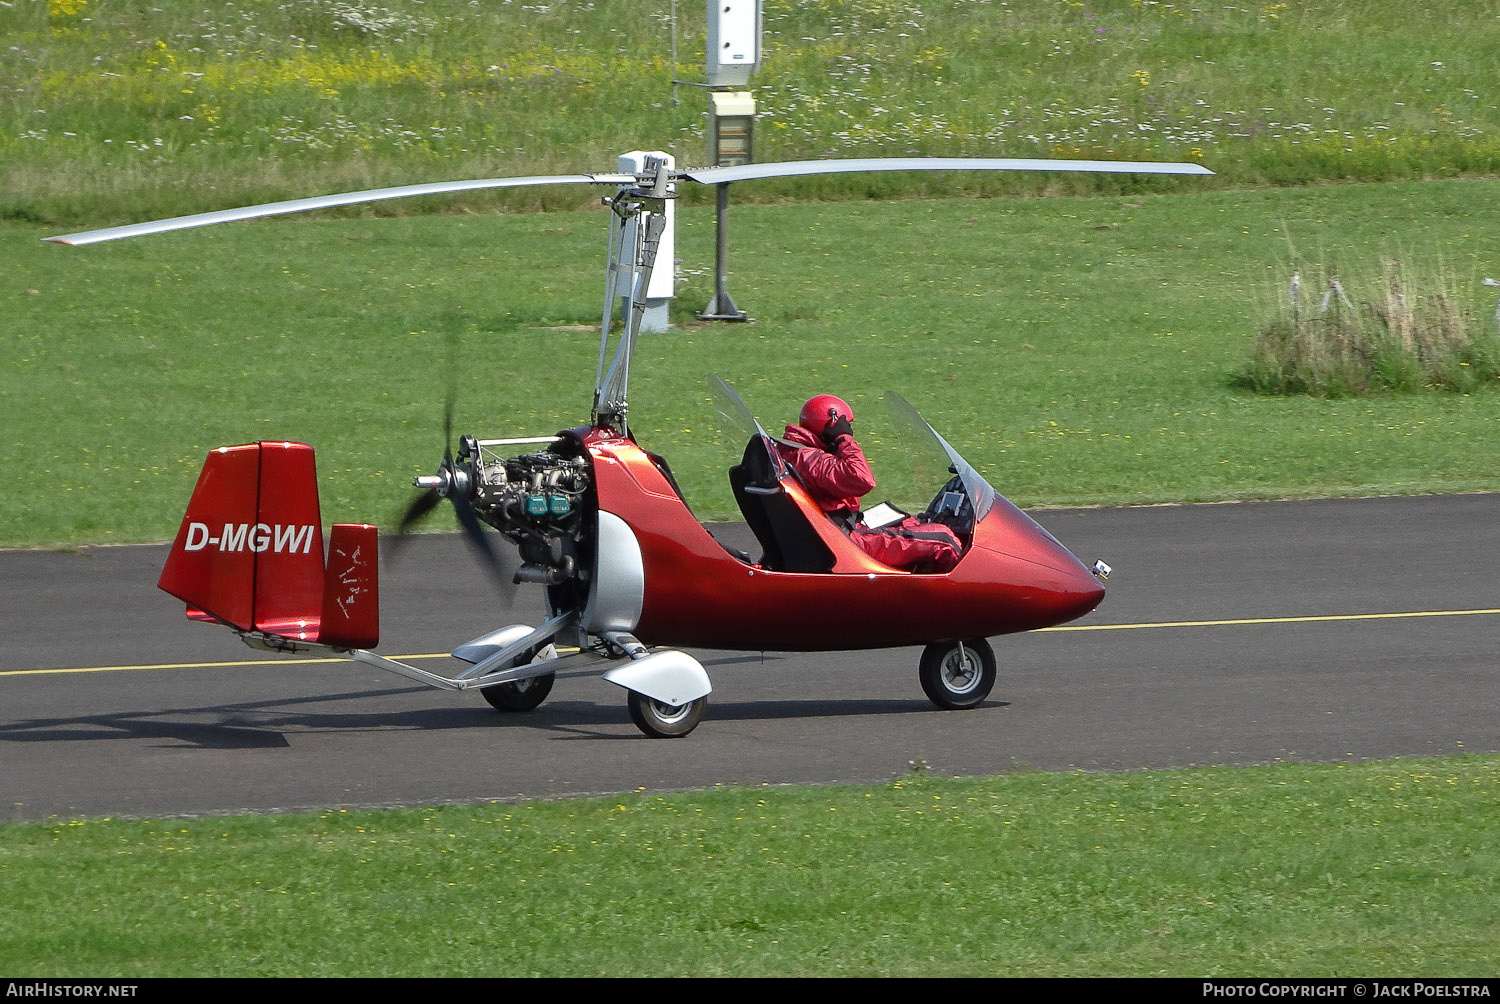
{"x": 838, "y": 425}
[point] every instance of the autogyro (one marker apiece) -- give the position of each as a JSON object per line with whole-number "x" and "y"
{"x": 630, "y": 577}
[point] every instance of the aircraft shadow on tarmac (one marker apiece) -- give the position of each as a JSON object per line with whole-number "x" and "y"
{"x": 264, "y": 724}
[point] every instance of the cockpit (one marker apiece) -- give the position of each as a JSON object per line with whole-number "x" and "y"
{"x": 795, "y": 535}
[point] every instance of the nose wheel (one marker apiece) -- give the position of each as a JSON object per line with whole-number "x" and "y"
{"x": 665, "y": 721}
{"x": 957, "y": 674}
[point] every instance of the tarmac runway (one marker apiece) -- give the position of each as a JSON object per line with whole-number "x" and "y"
{"x": 1232, "y": 634}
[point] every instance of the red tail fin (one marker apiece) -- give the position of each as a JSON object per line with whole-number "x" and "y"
{"x": 351, "y": 589}
{"x": 250, "y": 551}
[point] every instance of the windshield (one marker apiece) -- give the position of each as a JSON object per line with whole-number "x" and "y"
{"x": 933, "y": 457}
{"x": 734, "y": 417}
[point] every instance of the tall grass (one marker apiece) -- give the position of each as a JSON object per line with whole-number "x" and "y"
{"x": 1404, "y": 333}
{"x": 111, "y": 111}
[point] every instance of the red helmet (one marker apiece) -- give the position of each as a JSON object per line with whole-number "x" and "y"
{"x": 816, "y": 413}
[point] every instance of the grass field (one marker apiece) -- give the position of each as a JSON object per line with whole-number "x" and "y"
{"x": 116, "y": 111}
{"x": 1287, "y": 870}
{"x": 1079, "y": 350}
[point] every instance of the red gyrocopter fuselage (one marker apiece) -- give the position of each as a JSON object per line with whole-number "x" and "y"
{"x": 1013, "y": 576}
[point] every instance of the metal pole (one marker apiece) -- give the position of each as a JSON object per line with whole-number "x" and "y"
{"x": 721, "y": 307}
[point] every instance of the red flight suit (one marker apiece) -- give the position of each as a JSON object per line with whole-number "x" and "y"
{"x": 838, "y": 476}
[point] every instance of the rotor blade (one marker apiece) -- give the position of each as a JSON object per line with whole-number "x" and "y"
{"x": 797, "y": 168}
{"x": 707, "y": 176}
{"x": 328, "y": 201}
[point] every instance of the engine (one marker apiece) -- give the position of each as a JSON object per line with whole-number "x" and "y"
{"x": 536, "y": 492}
{"x": 538, "y": 501}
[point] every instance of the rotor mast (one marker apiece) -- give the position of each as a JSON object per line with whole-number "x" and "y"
{"x": 646, "y": 205}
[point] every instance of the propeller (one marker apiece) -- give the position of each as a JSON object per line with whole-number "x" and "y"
{"x": 437, "y": 486}
{"x": 454, "y": 482}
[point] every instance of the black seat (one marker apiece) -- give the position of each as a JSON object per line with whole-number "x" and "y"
{"x": 789, "y": 542}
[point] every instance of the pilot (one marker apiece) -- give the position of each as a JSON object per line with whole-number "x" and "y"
{"x": 822, "y": 449}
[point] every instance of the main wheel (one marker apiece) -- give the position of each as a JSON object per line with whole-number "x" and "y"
{"x": 522, "y": 695}
{"x": 957, "y": 674}
{"x": 665, "y": 721}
